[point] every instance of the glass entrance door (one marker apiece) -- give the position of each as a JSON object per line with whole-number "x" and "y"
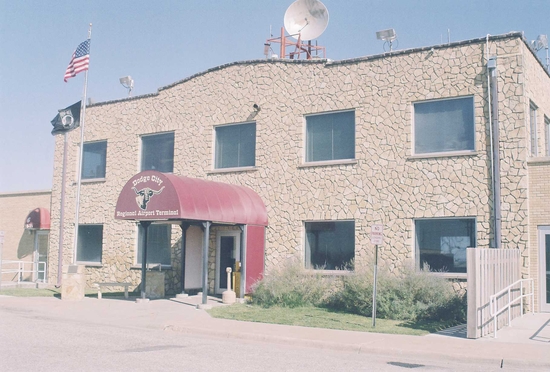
{"x": 227, "y": 253}
{"x": 544, "y": 244}
{"x": 41, "y": 242}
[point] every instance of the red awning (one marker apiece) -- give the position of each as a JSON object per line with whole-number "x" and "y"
{"x": 153, "y": 196}
{"x": 38, "y": 219}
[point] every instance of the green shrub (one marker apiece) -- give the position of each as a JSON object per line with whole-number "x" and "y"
{"x": 411, "y": 296}
{"x": 290, "y": 285}
{"x": 454, "y": 310}
{"x": 354, "y": 295}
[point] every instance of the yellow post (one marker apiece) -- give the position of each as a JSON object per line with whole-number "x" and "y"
{"x": 237, "y": 279}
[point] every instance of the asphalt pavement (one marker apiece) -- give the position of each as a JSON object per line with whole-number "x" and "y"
{"x": 525, "y": 345}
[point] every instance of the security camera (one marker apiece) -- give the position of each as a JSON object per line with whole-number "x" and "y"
{"x": 256, "y": 107}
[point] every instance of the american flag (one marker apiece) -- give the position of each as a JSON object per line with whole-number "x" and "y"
{"x": 80, "y": 60}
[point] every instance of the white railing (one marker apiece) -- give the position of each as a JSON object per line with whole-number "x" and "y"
{"x": 20, "y": 268}
{"x": 507, "y": 305}
{"x": 490, "y": 270}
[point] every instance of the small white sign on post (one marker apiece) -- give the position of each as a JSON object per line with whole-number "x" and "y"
{"x": 376, "y": 238}
{"x": 377, "y": 234}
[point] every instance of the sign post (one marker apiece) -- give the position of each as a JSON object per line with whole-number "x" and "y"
{"x": 376, "y": 238}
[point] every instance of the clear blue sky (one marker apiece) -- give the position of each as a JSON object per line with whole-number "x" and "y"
{"x": 161, "y": 42}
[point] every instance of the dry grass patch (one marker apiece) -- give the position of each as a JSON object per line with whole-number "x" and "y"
{"x": 321, "y": 318}
{"x": 30, "y": 292}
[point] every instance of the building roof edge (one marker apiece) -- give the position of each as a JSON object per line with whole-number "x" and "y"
{"x": 328, "y": 62}
{"x": 16, "y": 193}
{"x": 510, "y": 35}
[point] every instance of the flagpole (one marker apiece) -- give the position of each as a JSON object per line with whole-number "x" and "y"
{"x": 62, "y": 214}
{"x": 79, "y": 176}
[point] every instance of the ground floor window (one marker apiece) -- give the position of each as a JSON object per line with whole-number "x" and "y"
{"x": 441, "y": 243}
{"x": 158, "y": 244}
{"x": 330, "y": 245}
{"x": 90, "y": 242}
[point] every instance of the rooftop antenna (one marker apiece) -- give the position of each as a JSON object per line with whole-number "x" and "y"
{"x": 388, "y": 36}
{"x": 128, "y": 83}
{"x": 538, "y": 44}
{"x": 304, "y": 20}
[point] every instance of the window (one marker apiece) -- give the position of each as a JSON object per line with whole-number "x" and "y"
{"x": 533, "y": 128}
{"x": 158, "y": 244}
{"x": 547, "y": 133}
{"x": 90, "y": 241}
{"x": 330, "y": 245}
{"x": 330, "y": 136}
{"x": 94, "y": 160}
{"x": 157, "y": 152}
{"x": 444, "y": 125}
{"x": 441, "y": 243}
{"x": 236, "y": 146}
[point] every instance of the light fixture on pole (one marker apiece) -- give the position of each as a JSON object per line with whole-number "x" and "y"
{"x": 128, "y": 83}
{"x": 388, "y": 36}
{"x": 540, "y": 43}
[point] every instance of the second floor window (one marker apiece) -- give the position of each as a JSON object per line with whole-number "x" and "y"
{"x": 533, "y": 128}
{"x": 547, "y": 133}
{"x": 330, "y": 136}
{"x": 157, "y": 152}
{"x": 235, "y": 146}
{"x": 445, "y": 125}
{"x": 94, "y": 160}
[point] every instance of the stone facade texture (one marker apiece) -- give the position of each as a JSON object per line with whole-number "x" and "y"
{"x": 73, "y": 287}
{"x": 155, "y": 284}
{"x": 385, "y": 183}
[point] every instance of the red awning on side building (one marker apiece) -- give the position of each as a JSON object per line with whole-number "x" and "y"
{"x": 38, "y": 219}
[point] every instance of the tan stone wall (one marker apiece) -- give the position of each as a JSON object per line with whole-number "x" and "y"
{"x": 511, "y": 70}
{"x": 385, "y": 184}
{"x": 18, "y": 244}
{"x": 155, "y": 287}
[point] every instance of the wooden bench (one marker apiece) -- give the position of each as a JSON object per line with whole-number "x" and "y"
{"x": 99, "y": 285}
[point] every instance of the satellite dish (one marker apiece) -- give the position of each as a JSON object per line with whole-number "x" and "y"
{"x": 541, "y": 42}
{"x": 309, "y": 18}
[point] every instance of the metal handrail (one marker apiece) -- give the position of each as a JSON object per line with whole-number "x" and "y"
{"x": 493, "y": 302}
{"x": 20, "y": 270}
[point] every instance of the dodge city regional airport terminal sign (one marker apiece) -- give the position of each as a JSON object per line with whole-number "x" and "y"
{"x": 147, "y": 197}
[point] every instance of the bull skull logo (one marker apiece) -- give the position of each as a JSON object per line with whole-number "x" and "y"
{"x": 144, "y": 196}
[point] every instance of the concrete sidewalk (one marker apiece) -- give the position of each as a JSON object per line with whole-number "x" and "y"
{"x": 526, "y": 343}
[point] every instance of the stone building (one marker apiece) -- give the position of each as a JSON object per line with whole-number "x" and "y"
{"x": 401, "y": 139}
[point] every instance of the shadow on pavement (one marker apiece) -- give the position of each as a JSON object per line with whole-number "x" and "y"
{"x": 457, "y": 331}
{"x": 539, "y": 336}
